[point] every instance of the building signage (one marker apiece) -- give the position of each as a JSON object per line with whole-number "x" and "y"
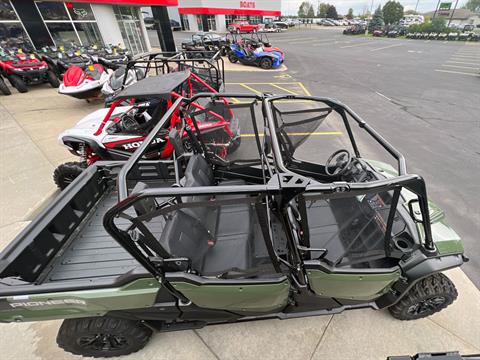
{"x": 445, "y": 6}
{"x": 247, "y": 4}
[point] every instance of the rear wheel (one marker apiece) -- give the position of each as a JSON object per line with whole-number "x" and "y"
{"x": 266, "y": 63}
{"x": 18, "y": 83}
{"x": 426, "y": 297}
{"x": 233, "y": 59}
{"x": 102, "y": 336}
{"x": 65, "y": 174}
{"x": 52, "y": 79}
{"x": 4, "y": 88}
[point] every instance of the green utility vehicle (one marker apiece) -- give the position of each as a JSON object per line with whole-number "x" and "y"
{"x": 271, "y": 231}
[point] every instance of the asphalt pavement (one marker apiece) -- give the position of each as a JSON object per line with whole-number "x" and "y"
{"x": 421, "y": 95}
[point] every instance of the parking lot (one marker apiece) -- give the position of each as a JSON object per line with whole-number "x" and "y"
{"x": 422, "y": 96}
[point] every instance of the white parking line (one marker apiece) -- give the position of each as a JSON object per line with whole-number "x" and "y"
{"x": 462, "y": 67}
{"x": 349, "y": 46}
{"x": 332, "y": 43}
{"x": 462, "y": 62}
{"x": 294, "y": 39}
{"x": 457, "y": 72}
{"x": 386, "y": 47}
{"x": 467, "y": 56}
{"x": 380, "y": 94}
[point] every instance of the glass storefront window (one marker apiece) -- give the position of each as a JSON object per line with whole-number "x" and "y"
{"x": 199, "y": 22}
{"x": 63, "y": 33}
{"x": 80, "y": 11}
{"x": 184, "y": 20}
{"x": 129, "y": 23}
{"x": 255, "y": 19}
{"x": 52, "y": 10}
{"x": 6, "y": 11}
{"x": 212, "y": 24}
{"x": 88, "y": 33}
{"x": 12, "y": 34}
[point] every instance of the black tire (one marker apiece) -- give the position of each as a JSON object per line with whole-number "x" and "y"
{"x": 223, "y": 51}
{"x": 266, "y": 63}
{"x": 232, "y": 58}
{"x": 4, "y": 88}
{"x": 52, "y": 79}
{"x": 18, "y": 83}
{"x": 102, "y": 336}
{"x": 64, "y": 174}
{"x": 428, "y": 296}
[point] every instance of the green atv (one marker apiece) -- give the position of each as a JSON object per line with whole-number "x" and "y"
{"x": 143, "y": 245}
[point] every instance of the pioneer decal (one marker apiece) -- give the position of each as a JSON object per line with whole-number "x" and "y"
{"x": 136, "y": 144}
{"x": 36, "y": 304}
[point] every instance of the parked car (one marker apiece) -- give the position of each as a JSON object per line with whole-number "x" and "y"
{"x": 354, "y": 30}
{"x": 281, "y": 24}
{"x": 175, "y": 25}
{"x": 325, "y": 22}
{"x": 243, "y": 27}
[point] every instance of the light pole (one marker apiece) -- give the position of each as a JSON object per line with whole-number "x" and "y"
{"x": 416, "y": 6}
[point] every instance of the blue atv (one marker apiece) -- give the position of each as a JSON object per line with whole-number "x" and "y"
{"x": 252, "y": 53}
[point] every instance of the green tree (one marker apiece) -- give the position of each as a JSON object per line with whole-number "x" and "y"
{"x": 377, "y": 22}
{"x": 350, "y": 14}
{"x": 332, "y": 12}
{"x": 311, "y": 12}
{"x": 392, "y": 12}
{"x": 410, "y": 12}
{"x": 322, "y": 10}
{"x": 473, "y": 5}
{"x": 439, "y": 24}
{"x": 303, "y": 9}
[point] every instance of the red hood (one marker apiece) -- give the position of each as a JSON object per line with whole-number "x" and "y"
{"x": 271, "y": 49}
{"x": 74, "y": 76}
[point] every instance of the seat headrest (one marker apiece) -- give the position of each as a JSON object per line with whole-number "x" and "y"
{"x": 198, "y": 172}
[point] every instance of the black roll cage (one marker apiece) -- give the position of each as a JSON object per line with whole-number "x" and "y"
{"x": 160, "y": 63}
{"x": 281, "y": 183}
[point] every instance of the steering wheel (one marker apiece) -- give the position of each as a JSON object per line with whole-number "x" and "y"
{"x": 339, "y": 160}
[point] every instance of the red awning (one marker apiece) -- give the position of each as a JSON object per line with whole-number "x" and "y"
{"x": 133, "y": 2}
{"x": 222, "y": 11}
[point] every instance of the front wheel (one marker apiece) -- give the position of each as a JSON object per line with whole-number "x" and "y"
{"x": 18, "y": 83}
{"x": 426, "y": 297}
{"x": 52, "y": 79}
{"x": 65, "y": 174}
{"x": 102, "y": 336}
{"x": 232, "y": 58}
{"x": 4, "y": 88}
{"x": 266, "y": 63}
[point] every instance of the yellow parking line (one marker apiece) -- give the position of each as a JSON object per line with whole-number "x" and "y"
{"x": 304, "y": 89}
{"x": 251, "y": 89}
{"x": 303, "y": 133}
{"x": 282, "y": 88}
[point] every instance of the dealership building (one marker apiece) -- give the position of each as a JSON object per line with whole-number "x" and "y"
{"x": 43, "y": 23}
{"x": 216, "y": 15}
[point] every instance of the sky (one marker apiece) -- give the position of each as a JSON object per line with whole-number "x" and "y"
{"x": 290, "y": 7}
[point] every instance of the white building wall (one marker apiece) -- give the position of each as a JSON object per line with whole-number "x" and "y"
{"x": 143, "y": 28}
{"x": 107, "y": 24}
{"x": 220, "y": 21}
{"x": 173, "y": 13}
{"x": 192, "y": 21}
{"x": 231, "y": 4}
